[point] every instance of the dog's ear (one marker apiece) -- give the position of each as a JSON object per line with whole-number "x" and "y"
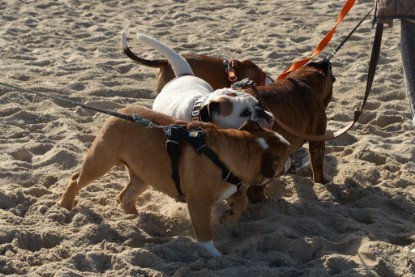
{"x": 206, "y": 111}
{"x": 204, "y": 114}
{"x": 267, "y": 165}
{"x": 324, "y": 65}
{"x": 222, "y": 106}
{"x": 250, "y": 126}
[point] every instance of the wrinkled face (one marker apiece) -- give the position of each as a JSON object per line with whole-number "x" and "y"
{"x": 274, "y": 148}
{"x": 229, "y": 108}
{"x": 276, "y": 158}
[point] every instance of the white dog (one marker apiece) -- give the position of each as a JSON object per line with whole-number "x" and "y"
{"x": 188, "y": 97}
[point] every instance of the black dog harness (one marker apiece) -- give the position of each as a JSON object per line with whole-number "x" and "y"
{"x": 175, "y": 134}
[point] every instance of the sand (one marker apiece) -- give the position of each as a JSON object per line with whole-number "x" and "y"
{"x": 361, "y": 223}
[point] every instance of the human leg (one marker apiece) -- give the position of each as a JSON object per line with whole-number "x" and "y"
{"x": 408, "y": 61}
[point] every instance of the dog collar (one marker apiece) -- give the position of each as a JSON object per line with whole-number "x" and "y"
{"x": 196, "y": 108}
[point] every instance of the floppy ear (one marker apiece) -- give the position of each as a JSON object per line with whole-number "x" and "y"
{"x": 324, "y": 65}
{"x": 250, "y": 126}
{"x": 204, "y": 114}
{"x": 223, "y": 106}
{"x": 267, "y": 165}
{"x": 206, "y": 111}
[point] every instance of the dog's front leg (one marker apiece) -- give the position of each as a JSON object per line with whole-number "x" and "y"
{"x": 200, "y": 214}
{"x": 317, "y": 150}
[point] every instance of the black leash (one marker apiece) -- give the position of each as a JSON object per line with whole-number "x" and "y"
{"x": 134, "y": 117}
{"x": 348, "y": 36}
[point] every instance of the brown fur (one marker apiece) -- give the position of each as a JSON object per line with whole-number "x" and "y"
{"x": 300, "y": 101}
{"x": 142, "y": 151}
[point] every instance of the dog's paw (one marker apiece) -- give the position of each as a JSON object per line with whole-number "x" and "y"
{"x": 129, "y": 208}
{"x": 228, "y": 217}
{"x": 64, "y": 203}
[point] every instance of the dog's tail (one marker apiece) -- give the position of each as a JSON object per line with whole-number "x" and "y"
{"x": 137, "y": 59}
{"x": 178, "y": 63}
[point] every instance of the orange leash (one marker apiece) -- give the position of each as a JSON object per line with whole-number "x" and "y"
{"x": 323, "y": 43}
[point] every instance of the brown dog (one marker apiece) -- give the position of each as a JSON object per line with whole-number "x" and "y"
{"x": 300, "y": 101}
{"x": 252, "y": 154}
{"x": 208, "y": 68}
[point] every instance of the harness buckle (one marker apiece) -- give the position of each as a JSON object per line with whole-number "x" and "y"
{"x": 173, "y": 138}
{"x": 230, "y": 178}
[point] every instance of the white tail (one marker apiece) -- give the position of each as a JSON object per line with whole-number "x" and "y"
{"x": 179, "y": 64}
{"x": 124, "y": 40}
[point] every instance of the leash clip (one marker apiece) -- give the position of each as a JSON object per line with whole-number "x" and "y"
{"x": 230, "y": 71}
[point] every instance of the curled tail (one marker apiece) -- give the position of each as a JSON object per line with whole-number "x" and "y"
{"x": 134, "y": 57}
{"x": 178, "y": 63}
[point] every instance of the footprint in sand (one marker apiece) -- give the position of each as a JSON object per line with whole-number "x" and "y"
{"x": 385, "y": 120}
{"x": 33, "y": 241}
{"x": 370, "y": 156}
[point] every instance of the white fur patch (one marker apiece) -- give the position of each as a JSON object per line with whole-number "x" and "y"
{"x": 287, "y": 165}
{"x": 228, "y": 192}
{"x": 210, "y": 248}
{"x": 262, "y": 143}
{"x": 282, "y": 139}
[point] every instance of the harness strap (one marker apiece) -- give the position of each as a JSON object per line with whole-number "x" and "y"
{"x": 227, "y": 175}
{"x": 323, "y": 43}
{"x": 174, "y": 135}
{"x": 177, "y": 133}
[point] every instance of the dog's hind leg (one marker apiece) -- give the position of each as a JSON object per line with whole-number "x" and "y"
{"x": 95, "y": 165}
{"x": 317, "y": 150}
{"x": 129, "y": 194}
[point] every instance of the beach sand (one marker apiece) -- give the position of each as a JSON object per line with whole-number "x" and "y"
{"x": 361, "y": 223}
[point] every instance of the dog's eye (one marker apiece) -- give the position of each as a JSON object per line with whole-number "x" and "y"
{"x": 246, "y": 113}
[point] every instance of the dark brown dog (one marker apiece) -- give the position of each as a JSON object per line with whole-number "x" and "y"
{"x": 208, "y": 68}
{"x": 300, "y": 101}
{"x": 252, "y": 154}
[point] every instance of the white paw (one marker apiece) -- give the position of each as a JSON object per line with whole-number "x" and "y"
{"x": 210, "y": 248}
